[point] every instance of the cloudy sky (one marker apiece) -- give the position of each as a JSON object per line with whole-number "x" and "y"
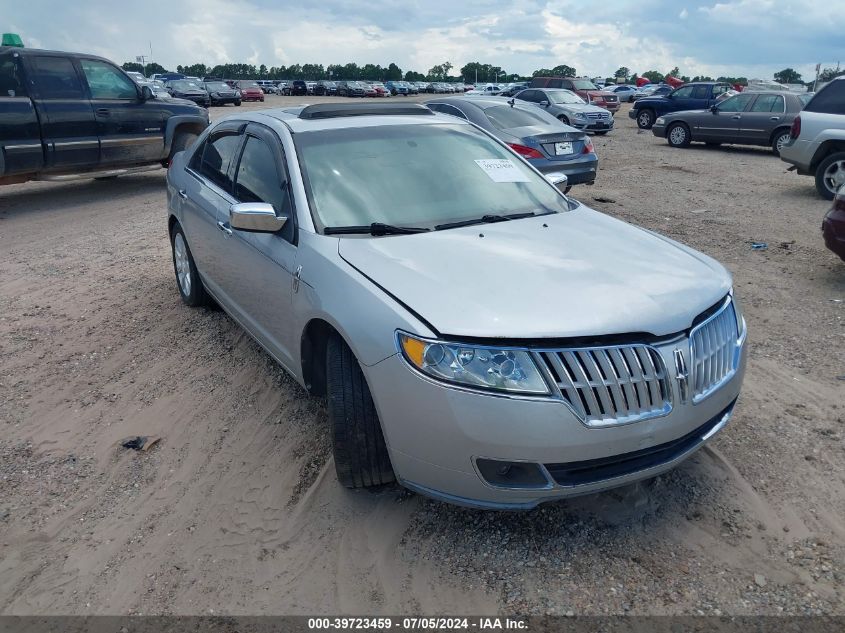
{"x": 752, "y": 38}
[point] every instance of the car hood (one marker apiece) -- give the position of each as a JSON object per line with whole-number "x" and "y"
{"x": 646, "y": 100}
{"x": 571, "y": 274}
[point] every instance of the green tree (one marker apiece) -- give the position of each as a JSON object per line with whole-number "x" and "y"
{"x": 622, "y": 72}
{"x": 194, "y": 70}
{"x": 653, "y": 76}
{"x": 563, "y": 70}
{"x": 675, "y": 72}
{"x": 440, "y": 72}
{"x": 392, "y": 73}
{"x": 787, "y": 76}
{"x": 413, "y": 75}
{"x": 829, "y": 74}
{"x": 134, "y": 67}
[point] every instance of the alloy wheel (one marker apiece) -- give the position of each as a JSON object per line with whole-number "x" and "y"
{"x": 678, "y": 135}
{"x": 183, "y": 264}
{"x": 834, "y": 176}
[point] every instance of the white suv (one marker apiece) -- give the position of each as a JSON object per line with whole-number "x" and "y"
{"x": 816, "y": 146}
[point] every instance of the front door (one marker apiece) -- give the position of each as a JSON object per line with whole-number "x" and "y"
{"x": 68, "y": 127}
{"x": 682, "y": 99}
{"x": 259, "y": 268}
{"x": 131, "y": 130}
{"x": 722, "y": 126}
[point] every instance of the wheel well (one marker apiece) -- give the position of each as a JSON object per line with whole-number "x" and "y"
{"x": 315, "y": 339}
{"x": 778, "y": 130}
{"x": 826, "y": 149}
{"x": 171, "y": 222}
{"x": 194, "y": 128}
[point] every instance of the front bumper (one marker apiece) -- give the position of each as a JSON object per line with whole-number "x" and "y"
{"x": 833, "y": 230}
{"x": 590, "y": 125}
{"x": 659, "y": 130}
{"x": 436, "y": 433}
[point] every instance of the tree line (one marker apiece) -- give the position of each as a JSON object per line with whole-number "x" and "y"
{"x": 472, "y": 72}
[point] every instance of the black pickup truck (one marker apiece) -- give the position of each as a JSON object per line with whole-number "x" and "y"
{"x": 69, "y": 115}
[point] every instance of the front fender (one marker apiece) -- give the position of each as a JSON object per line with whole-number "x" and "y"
{"x": 177, "y": 120}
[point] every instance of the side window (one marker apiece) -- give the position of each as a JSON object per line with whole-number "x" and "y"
{"x": 258, "y": 179}
{"x": 107, "y": 82}
{"x": 216, "y": 158}
{"x": 683, "y": 93}
{"x": 530, "y": 95}
{"x": 560, "y": 83}
{"x": 719, "y": 89}
{"x": 700, "y": 92}
{"x": 737, "y": 103}
{"x": 768, "y": 103}
{"x": 830, "y": 99}
{"x": 56, "y": 78}
{"x": 11, "y": 79}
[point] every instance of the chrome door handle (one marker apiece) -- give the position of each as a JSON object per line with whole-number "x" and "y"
{"x": 103, "y": 111}
{"x": 183, "y": 194}
{"x": 222, "y": 226}
{"x": 774, "y": 118}
{"x": 736, "y": 117}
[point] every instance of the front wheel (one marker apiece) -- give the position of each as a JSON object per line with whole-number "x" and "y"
{"x": 830, "y": 175}
{"x": 563, "y": 119}
{"x": 780, "y": 139}
{"x": 678, "y": 135}
{"x": 238, "y": 102}
{"x": 187, "y": 278}
{"x": 360, "y": 452}
{"x": 645, "y": 119}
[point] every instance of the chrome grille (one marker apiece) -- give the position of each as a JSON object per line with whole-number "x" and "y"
{"x": 597, "y": 115}
{"x": 610, "y": 99}
{"x": 713, "y": 345}
{"x": 613, "y": 385}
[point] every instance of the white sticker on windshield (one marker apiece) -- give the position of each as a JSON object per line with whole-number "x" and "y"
{"x": 502, "y": 170}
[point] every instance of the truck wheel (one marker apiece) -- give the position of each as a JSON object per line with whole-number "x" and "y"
{"x": 360, "y": 454}
{"x": 187, "y": 278}
{"x": 645, "y": 119}
{"x": 238, "y": 102}
{"x": 830, "y": 175}
{"x": 678, "y": 135}
{"x": 779, "y": 140}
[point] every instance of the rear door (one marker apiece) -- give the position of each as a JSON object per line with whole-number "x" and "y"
{"x": 68, "y": 126}
{"x": 131, "y": 130}
{"x": 20, "y": 144}
{"x": 257, "y": 276}
{"x": 764, "y": 114}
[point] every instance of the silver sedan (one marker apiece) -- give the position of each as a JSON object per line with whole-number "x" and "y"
{"x": 480, "y": 337}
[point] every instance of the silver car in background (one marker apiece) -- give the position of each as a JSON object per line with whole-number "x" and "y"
{"x": 480, "y": 337}
{"x": 569, "y": 108}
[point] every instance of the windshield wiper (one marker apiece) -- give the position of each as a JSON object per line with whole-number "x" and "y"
{"x": 484, "y": 219}
{"x": 376, "y": 228}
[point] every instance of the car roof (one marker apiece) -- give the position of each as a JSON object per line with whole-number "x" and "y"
{"x": 480, "y": 102}
{"x": 289, "y": 117}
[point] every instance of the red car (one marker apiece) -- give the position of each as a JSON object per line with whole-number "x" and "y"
{"x": 833, "y": 225}
{"x": 250, "y": 91}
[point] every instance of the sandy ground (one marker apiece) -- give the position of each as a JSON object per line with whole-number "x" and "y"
{"x": 237, "y": 509}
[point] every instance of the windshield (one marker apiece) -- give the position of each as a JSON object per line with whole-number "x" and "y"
{"x": 583, "y": 84}
{"x": 217, "y": 85}
{"x": 416, "y": 175}
{"x": 564, "y": 96}
{"x": 505, "y": 117}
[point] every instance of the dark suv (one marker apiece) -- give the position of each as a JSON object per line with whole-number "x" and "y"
{"x": 325, "y": 87}
{"x": 66, "y": 115}
{"x": 298, "y": 88}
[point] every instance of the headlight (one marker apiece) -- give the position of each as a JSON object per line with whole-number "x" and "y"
{"x": 496, "y": 369}
{"x": 660, "y": 121}
{"x": 580, "y": 115}
{"x": 740, "y": 320}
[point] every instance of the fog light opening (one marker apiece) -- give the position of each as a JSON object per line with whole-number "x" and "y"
{"x": 504, "y": 474}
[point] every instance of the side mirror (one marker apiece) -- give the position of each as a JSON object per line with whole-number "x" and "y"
{"x": 544, "y": 103}
{"x": 146, "y": 93}
{"x": 255, "y": 217}
{"x": 558, "y": 179}
{"x": 714, "y": 109}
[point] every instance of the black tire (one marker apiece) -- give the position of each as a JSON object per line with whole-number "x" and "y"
{"x": 564, "y": 119}
{"x": 780, "y": 137}
{"x": 360, "y": 454}
{"x": 678, "y": 135}
{"x": 238, "y": 102}
{"x": 182, "y": 141}
{"x": 193, "y": 293}
{"x": 835, "y": 164}
{"x": 602, "y": 133}
{"x": 645, "y": 119}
